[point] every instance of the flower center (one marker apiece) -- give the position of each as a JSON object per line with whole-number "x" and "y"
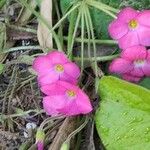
{"x": 59, "y": 68}
{"x": 71, "y": 93}
{"x": 139, "y": 63}
{"x": 133, "y": 24}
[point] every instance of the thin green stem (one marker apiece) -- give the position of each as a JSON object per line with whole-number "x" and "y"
{"x": 102, "y": 58}
{"x": 25, "y": 113}
{"x": 22, "y": 29}
{"x": 77, "y": 130}
{"x": 89, "y": 34}
{"x": 69, "y": 52}
{"x": 98, "y": 6}
{"x": 21, "y": 48}
{"x": 108, "y": 42}
{"x": 66, "y": 15}
{"x": 70, "y": 32}
{"x": 46, "y": 121}
{"x": 102, "y": 6}
{"x": 82, "y": 37}
{"x": 93, "y": 37}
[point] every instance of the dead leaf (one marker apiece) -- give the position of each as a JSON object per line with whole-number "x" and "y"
{"x": 43, "y": 33}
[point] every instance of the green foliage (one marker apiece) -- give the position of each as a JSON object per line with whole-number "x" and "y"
{"x": 145, "y": 82}
{"x": 122, "y": 119}
{"x": 100, "y": 19}
{"x": 65, "y": 4}
{"x": 2, "y": 3}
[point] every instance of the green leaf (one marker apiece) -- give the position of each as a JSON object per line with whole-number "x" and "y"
{"x": 123, "y": 118}
{"x": 101, "y": 20}
{"x": 65, "y": 4}
{"x": 145, "y": 82}
{"x": 2, "y": 3}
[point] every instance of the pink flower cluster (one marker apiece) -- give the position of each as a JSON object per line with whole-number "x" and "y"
{"x": 58, "y": 77}
{"x": 132, "y": 31}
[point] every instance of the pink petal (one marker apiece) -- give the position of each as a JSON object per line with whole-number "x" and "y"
{"x": 67, "y": 78}
{"x": 49, "y": 78}
{"x": 131, "y": 78}
{"x": 138, "y": 72}
{"x": 61, "y": 103}
{"x": 117, "y": 29}
{"x": 70, "y": 109}
{"x": 72, "y": 70}
{"x": 40, "y": 145}
{"x": 42, "y": 65}
{"x": 143, "y": 16}
{"x": 120, "y": 66}
{"x": 148, "y": 55}
{"x": 144, "y": 35}
{"x": 53, "y": 89}
{"x": 128, "y": 40}
{"x": 58, "y": 88}
{"x": 146, "y": 68}
{"x": 83, "y": 102}
{"x": 57, "y": 57}
{"x": 127, "y": 14}
{"x": 134, "y": 53}
{"x": 81, "y": 105}
{"x": 67, "y": 85}
{"x": 51, "y": 104}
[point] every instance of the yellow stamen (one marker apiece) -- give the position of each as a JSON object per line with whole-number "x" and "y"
{"x": 133, "y": 24}
{"x": 59, "y": 68}
{"x": 71, "y": 93}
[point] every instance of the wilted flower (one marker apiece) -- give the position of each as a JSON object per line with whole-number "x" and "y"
{"x": 133, "y": 64}
{"x": 131, "y": 28}
{"x": 55, "y": 66}
{"x": 66, "y": 99}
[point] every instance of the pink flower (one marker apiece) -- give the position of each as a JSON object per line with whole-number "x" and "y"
{"x": 133, "y": 64}
{"x": 131, "y": 28}
{"x": 55, "y": 66}
{"x": 65, "y": 98}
